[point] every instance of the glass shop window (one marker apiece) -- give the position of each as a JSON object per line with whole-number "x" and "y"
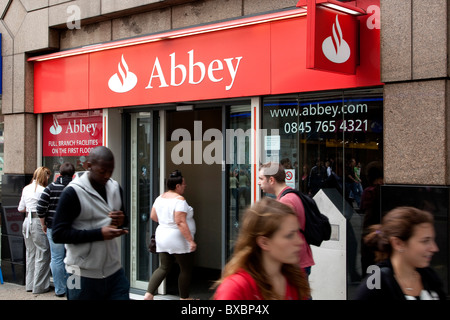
{"x": 332, "y": 141}
{"x": 69, "y": 137}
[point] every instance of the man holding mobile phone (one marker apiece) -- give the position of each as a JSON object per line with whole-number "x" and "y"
{"x": 89, "y": 216}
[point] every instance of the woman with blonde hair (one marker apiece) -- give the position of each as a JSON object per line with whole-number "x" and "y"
{"x": 404, "y": 244}
{"x": 265, "y": 265}
{"x": 37, "y": 279}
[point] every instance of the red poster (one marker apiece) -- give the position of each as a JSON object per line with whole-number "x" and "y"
{"x": 13, "y": 220}
{"x": 72, "y": 133}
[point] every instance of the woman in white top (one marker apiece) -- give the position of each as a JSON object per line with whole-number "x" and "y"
{"x": 174, "y": 236}
{"x": 37, "y": 277}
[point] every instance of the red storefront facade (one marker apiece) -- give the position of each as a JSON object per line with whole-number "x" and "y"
{"x": 265, "y": 55}
{"x": 254, "y": 74}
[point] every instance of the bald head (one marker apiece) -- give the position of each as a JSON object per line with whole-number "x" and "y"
{"x": 100, "y": 165}
{"x": 100, "y": 153}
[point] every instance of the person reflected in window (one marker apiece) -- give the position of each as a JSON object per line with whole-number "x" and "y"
{"x": 286, "y": 163}
{"x": 305, "y": 179}
{"x": 234, "y": 188}
{"x": 353, "y": 190}
{"x": 244, "y": 187}
{"x": 317, "y": 177}
{"x": 371, "y": 209}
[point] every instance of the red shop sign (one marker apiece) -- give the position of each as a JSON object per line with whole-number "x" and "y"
{"x": 184, "y": 69}
{"x": 333, "y": 42}
{"x": 252, "y": 59}
{"x": 72, "y": 133}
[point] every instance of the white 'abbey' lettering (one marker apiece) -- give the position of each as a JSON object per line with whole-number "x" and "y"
{"x": 81, "y": 127}
{"x": 195, "y": 72}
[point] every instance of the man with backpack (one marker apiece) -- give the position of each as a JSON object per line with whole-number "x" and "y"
{"x": 273, "y": 180}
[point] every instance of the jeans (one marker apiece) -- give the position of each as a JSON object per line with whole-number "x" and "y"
{"x": 58, "y": 252}
{"x": 114, "y": 287}
{"x": 354, "y": 188}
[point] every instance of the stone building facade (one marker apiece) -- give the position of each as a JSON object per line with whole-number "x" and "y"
{"x": 414, "y": 69}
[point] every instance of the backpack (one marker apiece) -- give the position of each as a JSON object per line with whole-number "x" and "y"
{"x": 317, "y": 225}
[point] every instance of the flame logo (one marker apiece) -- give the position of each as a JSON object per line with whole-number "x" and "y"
{"x": 124, "y": 80}
{"x": 55, "y": 128}
{"x": 335, "y": 48}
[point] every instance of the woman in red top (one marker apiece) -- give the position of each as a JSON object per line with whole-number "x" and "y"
{"x": 265, "y": 265}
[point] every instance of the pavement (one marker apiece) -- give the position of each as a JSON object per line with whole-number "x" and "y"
{"x": 12, "y": 291}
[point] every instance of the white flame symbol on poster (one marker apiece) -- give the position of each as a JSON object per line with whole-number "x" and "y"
{"x": 124, "y": 80}
{"x": 335, "y": 48}
{"x": 55, "y": 128}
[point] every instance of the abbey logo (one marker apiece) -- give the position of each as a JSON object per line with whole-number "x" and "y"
{"x": 55, "y": 129}
{"x": 334, "y": 45}
{"x": 335, "y": 48}
{"x": 124, "y": 80}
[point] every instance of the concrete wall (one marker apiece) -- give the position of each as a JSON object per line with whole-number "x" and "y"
{"x": 414, "y": 68}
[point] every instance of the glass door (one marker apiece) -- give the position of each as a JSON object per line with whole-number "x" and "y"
{"x": 144, "y": 185}
{"x": 193, "y": 145}
{"x": 238, "y": 169}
